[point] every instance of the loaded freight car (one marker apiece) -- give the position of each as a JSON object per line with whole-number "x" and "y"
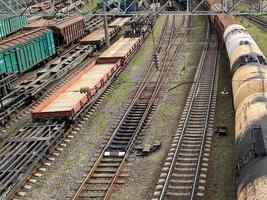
{"x": 11, "y": 24}
{"x": 68, "y": 30}
{"x": 121, "y": 49}
{"x": 97, "y": 37}
{"x": 19, "y": 54}
{"x": 69, "y": 100}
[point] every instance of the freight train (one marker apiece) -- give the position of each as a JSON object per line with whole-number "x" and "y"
{"x": 52, "y": 117}
{"x": 11, "y": 24}
{"x": 248, "y": 66}
{"x": 11, "y": 99}
{"x": 38, "y": 42}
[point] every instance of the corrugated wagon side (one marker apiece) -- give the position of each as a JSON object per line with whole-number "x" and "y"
{"x": 68, "y": 30}
{"x": 12, "y": 24}
{"x": 21, "y": 53}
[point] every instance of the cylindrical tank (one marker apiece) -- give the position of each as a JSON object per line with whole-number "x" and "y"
{"x": 247, "y": 80}
{"x": 231, "y": 28}
{"x": 241, "y": 48}
{"x": 244, "y": 54}
{"x": 237, "y": 38}
{"x": 252, "y": 170}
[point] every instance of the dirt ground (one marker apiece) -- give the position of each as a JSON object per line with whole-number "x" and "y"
{"x": 222, "y": 167}
{"x": 60, "y": 179}
{"x": 145, "y": 171}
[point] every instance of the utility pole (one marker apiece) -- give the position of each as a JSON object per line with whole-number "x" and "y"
{"x": 260, "y": 5}
{"x": 106, "y": 23}
{"x": 155, "y": 56}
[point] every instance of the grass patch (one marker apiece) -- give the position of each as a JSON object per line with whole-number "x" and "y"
{"x": 258, "y": 34}
{"x": 89, "y": 7}
{"x": 223, "y": 162}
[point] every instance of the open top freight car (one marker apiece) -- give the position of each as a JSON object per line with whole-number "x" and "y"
{"x": 69, "y": 100}
{"x": 19, "y": 54}
{"x": 11, "y": 24}
{"x": 68, "y": 30}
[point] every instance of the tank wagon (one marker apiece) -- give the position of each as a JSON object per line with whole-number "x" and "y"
{"x": 19, "y": 54}
{"x": 11, "y": 24}
{"x": 248, "y": 66}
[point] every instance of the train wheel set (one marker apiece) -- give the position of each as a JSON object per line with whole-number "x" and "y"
{"x": 55, "y": 71}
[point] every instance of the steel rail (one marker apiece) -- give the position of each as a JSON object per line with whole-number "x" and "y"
{"x": 138, "y": 93}
{"x": 196, "y": 87}
{"x": 146, "y": 77}
{"x": 151, "y": 101}
{"x": 256, "y": 20}
{"x": 205, "y": 127}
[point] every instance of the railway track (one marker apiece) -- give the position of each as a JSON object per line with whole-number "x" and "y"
{"x": 42, "y": 86}
{"x": 39, "y": 142}
{"x": 100, "y": 180}
{"x": 184, "y": 173}
{"x": 256, "y": 20}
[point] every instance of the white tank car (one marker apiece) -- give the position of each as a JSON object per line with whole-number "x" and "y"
{"x": 241, "y": 47}
{"x": 251, "y": 140}
{"x": 249, "y": 84}
{"x": 247, "y": 80}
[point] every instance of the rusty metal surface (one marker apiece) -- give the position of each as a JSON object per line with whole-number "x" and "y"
{"x": 22, "y": 38}
{"x": 120, "y": 48}
{"x": 119, "y": 22}
{"x": 40, "y": 23}
{"x": 97, "y": 36}
{"x": 68, "y": 21}
{"x": 71, "y": 96}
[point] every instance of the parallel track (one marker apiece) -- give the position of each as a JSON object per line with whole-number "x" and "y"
{"x": 184, "y": 171}
{"x": 103, "y": 175}
{"x": 258, "y": 21}
{"x": 37, "y": 140}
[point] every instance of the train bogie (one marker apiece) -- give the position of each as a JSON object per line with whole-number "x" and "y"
{"x": 21, "y": 53}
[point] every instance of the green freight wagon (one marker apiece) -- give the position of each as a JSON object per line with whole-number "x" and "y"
{"x": 11, "y": 24}
{"x": 21, "y": 53}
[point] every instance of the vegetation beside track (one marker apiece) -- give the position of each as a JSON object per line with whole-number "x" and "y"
{"x": 145, "y": 171}
{"x": 90, "y": 6}
{"x": 221, "y": 173}
{"x": 61, "y": 176}
{"x": 258, "y": 34}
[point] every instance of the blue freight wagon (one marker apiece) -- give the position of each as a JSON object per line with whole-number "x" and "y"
{"x": 11, "y": 24}
{"x": 23, "y": 52}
